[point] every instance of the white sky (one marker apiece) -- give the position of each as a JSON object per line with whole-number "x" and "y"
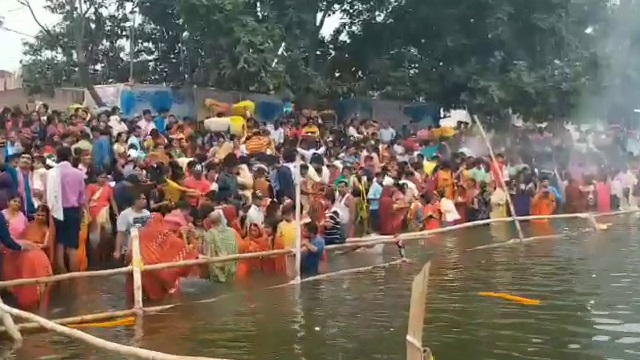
{"x": 18, "y": 19}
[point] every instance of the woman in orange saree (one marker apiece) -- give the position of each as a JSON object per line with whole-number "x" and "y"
{"x": 259, "y": 242}
{"x": 37, "y": 231}
{"x": 245, "y": 267}
{"x": 101, "y": 198}
{"x": 160, "y": 245}
{"x": 277, "y": 264}
{"x": 24, "y": 264}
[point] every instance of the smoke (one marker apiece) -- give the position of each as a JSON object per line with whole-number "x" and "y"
{"x": 614, "y": 87}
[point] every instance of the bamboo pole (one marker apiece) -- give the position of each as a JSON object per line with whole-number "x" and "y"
{"x": 97, "y": 342}
{"x": 91, "y": 317}
{"x": 298, "y": 250}
{"x": 352, "y": 242}
{"x": 415, "y": 328}
{"x": 137, "y": 272}
{"x": 500, "y": 176}
{"x": 518, "y": 241}
{"x": 11, "y": 327}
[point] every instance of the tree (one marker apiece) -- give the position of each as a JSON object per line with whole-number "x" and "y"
{"x": 82, "y": 49}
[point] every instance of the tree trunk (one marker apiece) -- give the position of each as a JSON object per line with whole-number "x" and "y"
{"x": 83, "y": 67}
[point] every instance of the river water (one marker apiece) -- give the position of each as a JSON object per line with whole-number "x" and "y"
{"x": 587, "y": 282}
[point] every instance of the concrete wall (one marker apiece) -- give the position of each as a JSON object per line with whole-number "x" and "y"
{"x": 61, "y": 99}
{"x": 381, "y": 110}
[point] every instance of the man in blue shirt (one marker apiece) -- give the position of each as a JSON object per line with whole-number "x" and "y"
{"x": 312, "y": 249}
{"x": 375, "y": 191}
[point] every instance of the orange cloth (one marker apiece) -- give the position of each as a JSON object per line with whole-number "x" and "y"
{"x": 445, "y": 182}
{"x": 159, "y": 245}
{"x": 23, "y": 265}
{"x": 543, "y": 203}
{"x": 258, "y": 144}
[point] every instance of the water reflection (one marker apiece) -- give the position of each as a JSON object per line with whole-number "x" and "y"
{"x": 586, "y": 281}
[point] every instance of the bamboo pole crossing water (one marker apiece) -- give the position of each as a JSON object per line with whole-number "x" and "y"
{"x": 57, "y": 325}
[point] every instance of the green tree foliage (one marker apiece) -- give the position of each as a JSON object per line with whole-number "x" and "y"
{"x": 533, "y": 57}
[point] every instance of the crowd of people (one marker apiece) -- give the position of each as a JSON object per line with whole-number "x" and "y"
{"x": 74, "y": 186}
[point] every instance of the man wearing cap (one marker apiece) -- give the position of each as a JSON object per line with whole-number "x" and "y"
{"x": 255, "y": 214}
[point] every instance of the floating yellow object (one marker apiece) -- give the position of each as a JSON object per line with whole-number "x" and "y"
{"x": 237, "y": 126}
{"x": 512, "y": 298}
{"x": 128, "y": 321}
{"x": 241, "y": 108}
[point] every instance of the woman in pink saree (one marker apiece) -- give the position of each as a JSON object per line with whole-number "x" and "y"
{"x": 16, "y": 219}
{"x": 603, "y": 193}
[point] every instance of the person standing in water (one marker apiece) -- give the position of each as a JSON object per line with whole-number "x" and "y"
{"x": 312, "y": 249}
{"x": 66, "y": 199}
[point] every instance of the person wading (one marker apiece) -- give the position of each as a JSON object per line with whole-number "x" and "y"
{"x": 66, "y": 199}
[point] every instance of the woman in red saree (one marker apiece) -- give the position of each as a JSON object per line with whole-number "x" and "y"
{"x": 576, "y": 201}
{"x": 431, "y": 213}
{"x": 392, "y": 212}
{"x": 159, "y": 245}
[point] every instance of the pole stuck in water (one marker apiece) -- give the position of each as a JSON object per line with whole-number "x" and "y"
{"x": 298, "y": 180}
{"x": 415, "y": 328}
{"x": 137, "y": 271}
{"x": 500, "y": 177}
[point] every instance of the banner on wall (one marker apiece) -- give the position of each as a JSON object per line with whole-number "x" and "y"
{"x": 133, "y": 100}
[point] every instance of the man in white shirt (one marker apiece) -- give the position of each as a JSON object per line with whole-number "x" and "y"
{"x": 276, "y": 133}
{"x": 307, "y": 154}
{"x": 255, "y": 214}
{"x": 386, "y": 134}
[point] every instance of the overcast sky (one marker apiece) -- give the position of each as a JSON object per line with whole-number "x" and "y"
{"x": 18, "y": 19}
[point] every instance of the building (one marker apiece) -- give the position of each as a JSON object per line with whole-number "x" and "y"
{"x": 10, "y": 80}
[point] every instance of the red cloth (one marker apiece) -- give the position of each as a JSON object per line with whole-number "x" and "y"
{"x": 392, "y": 223}
{"x": 202, "y": 185}
{"x": 159, "y": 245}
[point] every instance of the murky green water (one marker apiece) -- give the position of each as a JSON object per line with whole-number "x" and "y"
{"x": 588, "y": 283}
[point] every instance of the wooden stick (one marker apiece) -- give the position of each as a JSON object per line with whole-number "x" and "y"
{"x": 97, "y": 342}
{"x": 517, "y": 241}
{"x": 352, "y": 242}
{"x": 417, "y": 307}
{"x": 137, "y": 271}
{"x": 91, "y": 317}
{"x": 128, "y": 269}
{"x": 11, "y": 327}
{"x": 500, "y": 177}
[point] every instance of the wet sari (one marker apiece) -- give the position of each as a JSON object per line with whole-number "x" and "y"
{"x": 23, "y": 265}
{"x": 603, "y": 191}
{"x": 543, "y": 203}
{"x": 160, "y": 245}
{"x": 431, "y": 216}
{"x": 221, "y": 241}
{"x": 257, "y": 243}
{"x": 392, "y": 216}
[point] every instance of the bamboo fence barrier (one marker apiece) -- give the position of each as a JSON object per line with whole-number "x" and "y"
{"x": 56, "y": 325}
{"x": 95, "y": 341}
